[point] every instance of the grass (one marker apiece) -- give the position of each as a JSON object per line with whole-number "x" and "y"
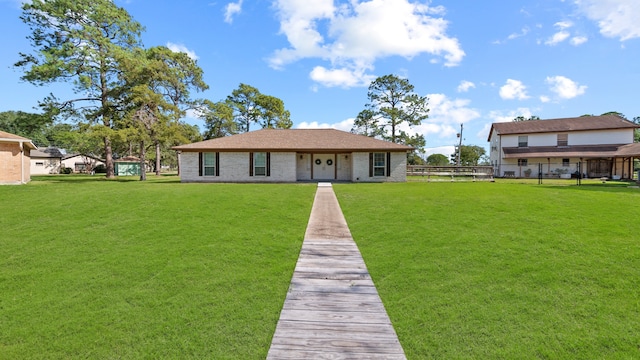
{"x": 505, "y": 269}
{"x": 101, "y": 269}
{"x": 123, "y": 269}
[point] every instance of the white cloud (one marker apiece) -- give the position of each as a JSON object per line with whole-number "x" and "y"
{"x": 450, "y": 111}
{"x": 465, "y": 86}
{"x": 500, "y": 116}
{"x": 232, "y": 9}
{"x": 513, "y": 89}
{"x": 563, "y": 24}
{"x": 579, "y": 40}
{"x": 557, "y": 38}
{"x": 340, "y": 77}
{"x": 344, "y": 125}
{"x": 616, "y": 18}
{"x": 544, "y": 99}
{"x": 523, "y": 32}
{"x": 353, "y": 35}
{"x": 181, "y": 48}
{"x": 444, "y": 150}
{"x": 564, "y": 87}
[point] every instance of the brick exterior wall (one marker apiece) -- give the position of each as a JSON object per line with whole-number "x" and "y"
{"x": 288, "y": 167}
{"x": 234, "y": 167}
{"x": 361, "y": 168}
{"x": 13, "y": 164}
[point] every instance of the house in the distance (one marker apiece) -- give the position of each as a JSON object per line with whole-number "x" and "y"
{"x": 594, "y": 146}
{"x": 278, "y": 155}
{"x": 46, "y": 161}
{"x": 15, "y": 152}
{"x": 81, "y": 163}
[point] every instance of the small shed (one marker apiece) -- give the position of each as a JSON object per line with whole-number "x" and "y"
{"x": 127, "y": 166}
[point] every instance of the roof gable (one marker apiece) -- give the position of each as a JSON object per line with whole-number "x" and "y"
{"x": 584, "y": 123}
{"x": 5, "y": 136}
{"x": 294, "y": 140}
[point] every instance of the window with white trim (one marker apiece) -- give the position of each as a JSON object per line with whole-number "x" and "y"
{"x": 260, "y": 164}
{"x": 523, "y": 162}
{"x": 565, "y": 162}
{"x": 379, "y": 164}
{"x": 523, "y": 141}
{"x": 209, "y": 164}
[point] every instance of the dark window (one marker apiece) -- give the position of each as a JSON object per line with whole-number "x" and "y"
{"x": 523, "y": 162}
{"x": 563, "y": 139}
{"x": 523, "y": 141}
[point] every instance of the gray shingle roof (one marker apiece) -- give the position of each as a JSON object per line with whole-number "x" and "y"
{"x": 316, "y": 140}
{"x": 584, "y": 123}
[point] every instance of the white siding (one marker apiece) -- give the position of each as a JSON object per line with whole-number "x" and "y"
{"x": 45, "y": 166}
{"x": 622, "y": 136}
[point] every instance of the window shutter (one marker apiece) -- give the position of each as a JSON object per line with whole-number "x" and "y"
{"x": 250, "y": 164}
{"x": 217, "y": 164}
{"x": 199, "y": 164}
{"x": 370, "y": 164}
{"x": 268, "y": 164}
{"x": 388, "y": 164}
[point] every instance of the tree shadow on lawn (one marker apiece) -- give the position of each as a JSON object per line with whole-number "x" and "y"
{"x": 151, "y": 179}
{"x": 617, "y": 187}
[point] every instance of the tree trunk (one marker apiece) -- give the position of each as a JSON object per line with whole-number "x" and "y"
{"x": 108, "y": 158}
{"x": 158, "y": 163}
{"x": 143, "y": 172}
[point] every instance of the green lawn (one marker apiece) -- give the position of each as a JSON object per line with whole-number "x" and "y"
{"x": 123, "y": 269}
{"x": 101, "y": 269}
{"x": 503, "y": 270}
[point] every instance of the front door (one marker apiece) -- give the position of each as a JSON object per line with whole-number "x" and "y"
{"x": 324, "y": 167}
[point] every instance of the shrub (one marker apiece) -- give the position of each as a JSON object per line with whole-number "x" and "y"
{"x": 66, "y": 170}
{"x": 100, "y": 169}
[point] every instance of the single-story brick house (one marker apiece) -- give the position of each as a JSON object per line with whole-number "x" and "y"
{"x": 15, "y": 158}
{"x": 291, "y": 155}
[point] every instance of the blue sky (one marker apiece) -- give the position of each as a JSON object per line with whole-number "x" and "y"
{"x": 479, "y": 62}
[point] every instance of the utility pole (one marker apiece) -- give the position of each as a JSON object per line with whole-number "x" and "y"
{"x": 459, "y": 146}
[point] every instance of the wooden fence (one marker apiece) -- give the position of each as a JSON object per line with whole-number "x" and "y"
{"x": 449, "y": 173}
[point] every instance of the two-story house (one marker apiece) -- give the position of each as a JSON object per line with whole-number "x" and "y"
{"x": 594, "y": 146}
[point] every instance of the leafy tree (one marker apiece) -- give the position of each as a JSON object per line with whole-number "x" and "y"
{"x": 251, "y": 106}
{"x": 437, "y": 160}
{"x": 245, "y": 109}
{"x": 273, "y": 115}
{"x": 614, "y": 113}
{"x": 522, "y": 118}
{"x": 218, "y": 119}
{"x": 366, "y": 123}
{"x": 31, "y": 126}
{"x": 79, "y": 41}
{"x": 469, "y": 155}
{"x": 392, "y": 103}
{"x": 157, "y": 89}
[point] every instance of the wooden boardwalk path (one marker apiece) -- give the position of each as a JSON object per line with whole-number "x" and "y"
{"x": 332, "y": 309}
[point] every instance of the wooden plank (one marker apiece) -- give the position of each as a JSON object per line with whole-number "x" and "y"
{"x": 332, "y": 309}
{"x": 284, "y": 353}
